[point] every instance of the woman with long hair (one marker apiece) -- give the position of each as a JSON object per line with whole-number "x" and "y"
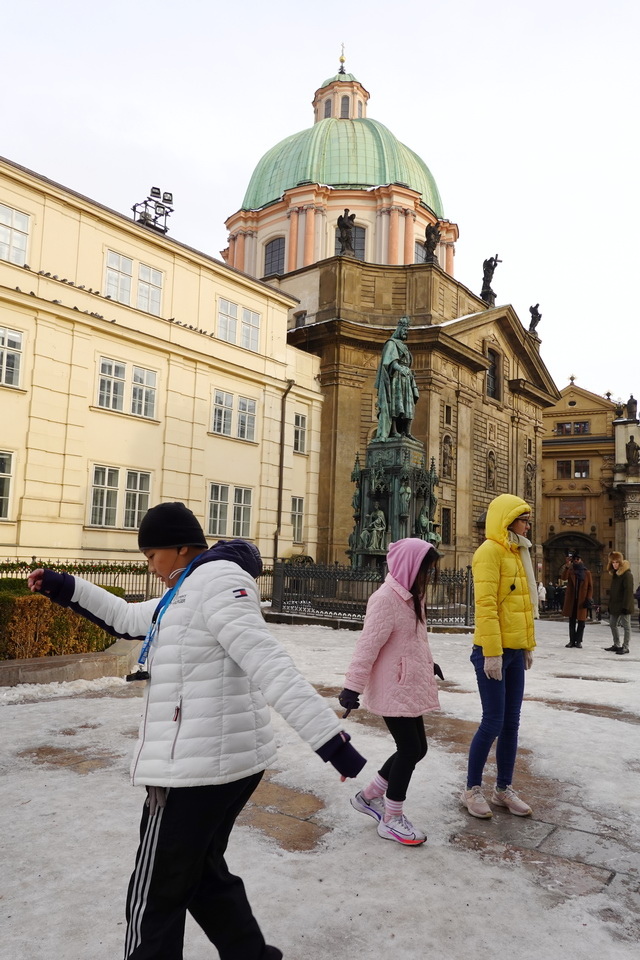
{"x": 393, "y": 670}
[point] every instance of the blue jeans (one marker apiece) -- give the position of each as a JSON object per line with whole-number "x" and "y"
{"x": 501, "y": 702}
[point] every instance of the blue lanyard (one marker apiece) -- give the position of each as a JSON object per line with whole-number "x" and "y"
{"x": 158, "y": 613}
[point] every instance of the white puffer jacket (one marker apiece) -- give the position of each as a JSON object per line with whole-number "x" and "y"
{"x": 215, "y": 669}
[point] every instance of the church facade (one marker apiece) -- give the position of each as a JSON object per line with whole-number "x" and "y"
{"x": 482, "y": 384}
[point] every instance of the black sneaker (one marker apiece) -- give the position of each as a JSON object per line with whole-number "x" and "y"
{"x": 610, "y": 649}
{"x": 621, "y": 650}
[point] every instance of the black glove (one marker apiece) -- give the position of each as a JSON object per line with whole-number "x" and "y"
{"x": 350, "y": 700}
{"x": 339, "y": 752}
{"x": 57, "y": 586}
{"x": 437, "y": 671}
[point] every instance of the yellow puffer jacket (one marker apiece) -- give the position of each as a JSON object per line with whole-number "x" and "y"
{"x": 503, "y": 608}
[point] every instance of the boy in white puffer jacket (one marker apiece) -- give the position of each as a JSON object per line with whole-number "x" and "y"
{"x": 212, "y": 670}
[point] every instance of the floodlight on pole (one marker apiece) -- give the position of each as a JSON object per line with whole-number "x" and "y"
{"x": 152, "y": 214}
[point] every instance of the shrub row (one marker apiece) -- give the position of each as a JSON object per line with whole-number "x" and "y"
{"x": 32, "y": 626}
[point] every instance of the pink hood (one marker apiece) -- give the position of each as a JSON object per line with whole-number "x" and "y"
{"x": 404, "y": 558}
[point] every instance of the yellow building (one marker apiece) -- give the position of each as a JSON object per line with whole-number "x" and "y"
{"x": 133, "y": 370}
{"x": 578, "y": 503}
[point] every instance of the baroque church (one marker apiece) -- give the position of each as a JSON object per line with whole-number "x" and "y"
{"x": 483, "y": 386}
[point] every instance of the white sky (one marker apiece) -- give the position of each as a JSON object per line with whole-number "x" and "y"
{"x": 525, "y": 112}
{"x": 67, "y": 856}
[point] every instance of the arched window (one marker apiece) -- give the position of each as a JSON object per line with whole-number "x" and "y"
{"x": 274, "y": 257}
{"x": 359, "y": 235}
{"x": 344, "y": 108}
{"x": 420, "y": 252}
{"x": 327, "y": 108}
{"x": 493, "y": 374}
{"x": 359, "y": 109}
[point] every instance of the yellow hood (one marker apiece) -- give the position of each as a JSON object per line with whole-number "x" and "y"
{"x": 500, "y": 513}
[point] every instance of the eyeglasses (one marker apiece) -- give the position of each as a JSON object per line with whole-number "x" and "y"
{"x": 526, "y": 520}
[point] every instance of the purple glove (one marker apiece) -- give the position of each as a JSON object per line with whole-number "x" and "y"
{"x": 339, "y": 752}
{"x": 350, "y": 700}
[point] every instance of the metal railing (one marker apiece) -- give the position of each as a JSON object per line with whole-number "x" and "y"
{"x": 342, "y": 592}
{"x": 313, "y": 590}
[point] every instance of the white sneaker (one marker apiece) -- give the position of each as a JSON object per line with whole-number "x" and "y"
{"x": 509, "y": 798}
{"x": 473, "y": 799}
{"x": 373, "y": 808}
{"x": 401, "y": 830}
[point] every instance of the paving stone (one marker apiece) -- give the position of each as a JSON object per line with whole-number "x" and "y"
{"x": 592, "y": 848}
{"x": 561, "y": 877}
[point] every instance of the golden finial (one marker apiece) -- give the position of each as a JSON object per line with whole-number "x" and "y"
{"x": 342, "y": 59}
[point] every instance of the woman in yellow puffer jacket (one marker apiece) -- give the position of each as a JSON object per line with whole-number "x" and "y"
{"x": 506, "y": 604}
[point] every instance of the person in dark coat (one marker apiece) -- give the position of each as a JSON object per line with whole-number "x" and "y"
{"x": 578, "y": 597}
{"x": 551, "y": 596}
{"x": 620, "y": 601}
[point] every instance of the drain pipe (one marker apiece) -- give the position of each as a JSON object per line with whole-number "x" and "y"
{"x": 283, "y": 403}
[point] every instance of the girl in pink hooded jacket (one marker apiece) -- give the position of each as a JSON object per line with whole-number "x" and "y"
{"x": 392, "y": 667}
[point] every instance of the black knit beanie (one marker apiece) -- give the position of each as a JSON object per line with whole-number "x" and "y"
{"x": 170, "y": 525}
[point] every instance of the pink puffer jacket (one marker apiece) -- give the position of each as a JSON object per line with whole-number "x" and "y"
{"x": 392, "y": 665}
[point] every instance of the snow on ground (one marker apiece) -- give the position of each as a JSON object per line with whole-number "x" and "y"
{"x": 70, "y": 829}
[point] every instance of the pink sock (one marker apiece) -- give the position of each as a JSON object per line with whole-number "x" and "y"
{"x": 392, "y": 808}
{"x": 377, "y": 788}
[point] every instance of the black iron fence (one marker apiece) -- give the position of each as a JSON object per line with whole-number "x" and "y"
{"x": 314, "y": 590}
{"x": 133, "y": 578}
{"x": 342, "y": 592}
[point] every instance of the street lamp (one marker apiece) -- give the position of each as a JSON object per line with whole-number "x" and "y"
{"x": 151, "y": 212}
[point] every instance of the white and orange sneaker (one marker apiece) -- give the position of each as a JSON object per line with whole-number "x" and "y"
{"x": 509, "y": 798}
{"x": 401, "y": 830}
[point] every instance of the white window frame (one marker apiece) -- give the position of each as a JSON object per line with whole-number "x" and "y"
{"x": 119, "y": 277}
{"x": 299, "y": 433}
{"x": 120, "y": 496}
{"x": 112, "y": 384}
{"x": 234, "y": 416}
{"x": 222, "y": 418}
{"x": 250, "y": 330}
{"x": 246, "y": 422}
{"x": 6, "y": 482}
{"x": 104, "y": 496}
{"x": 119, "y": 391}
{"x": 149, "y": 289}
{"x": 14, "y": 235}
{"x": 11, "y": 345}
{"x": 242, "y": 508}
{"x": 297, "y": 519}
{"x": 227, "y": 320}
{"x": 137, "y": 494}
{"x": 144, "y": 383}
{"x": 218, "y": 512}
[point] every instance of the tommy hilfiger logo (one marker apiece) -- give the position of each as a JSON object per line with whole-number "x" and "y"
{"x": 240, "y": 592}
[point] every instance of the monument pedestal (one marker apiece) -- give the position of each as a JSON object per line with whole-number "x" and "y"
{"x": 394, "y": 498}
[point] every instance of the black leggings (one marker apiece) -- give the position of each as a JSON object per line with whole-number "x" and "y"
{"x": 411, "y": 746}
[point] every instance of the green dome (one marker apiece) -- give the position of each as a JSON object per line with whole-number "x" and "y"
{"x": 351, "y": 154}
{"x": 339, "y": 76}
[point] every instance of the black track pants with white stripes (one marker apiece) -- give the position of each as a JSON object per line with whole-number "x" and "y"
{"x": 180, "y": 866}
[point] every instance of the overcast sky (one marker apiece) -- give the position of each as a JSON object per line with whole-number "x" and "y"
{"x": 525, "y": 112}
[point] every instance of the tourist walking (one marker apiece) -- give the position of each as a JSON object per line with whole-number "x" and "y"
{"x": 393, "y": 670}
{"x": 506, "y": 604}
{"x": 211, "y": 670}
{"x": 620, "y": 601}
{"x": 578, "y": 598}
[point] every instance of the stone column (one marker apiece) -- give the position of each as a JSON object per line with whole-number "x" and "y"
{"x": 239, "y": 252}
{"x": 232, "y": 251}
{"x": 409, "y": 237}
{"x": 309, "y": 235}
{"x": 292, "y": 252}
{"x": 393, "y": 235}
